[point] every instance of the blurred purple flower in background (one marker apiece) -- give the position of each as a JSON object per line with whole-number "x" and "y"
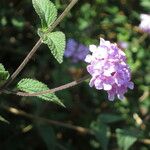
{"x": 145, "y": 23}
{"x": 76, "y": 51}
{"x": 123, "y": 44}
{"x": 109, "y": 70}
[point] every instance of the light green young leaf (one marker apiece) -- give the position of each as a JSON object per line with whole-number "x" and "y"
{"x": 56, "y": 42}
{"x": 32, "y": 86}
{"x": 3, "y": 73}
{"x": 126, "y": 138}
{"x": 46, "y": 11}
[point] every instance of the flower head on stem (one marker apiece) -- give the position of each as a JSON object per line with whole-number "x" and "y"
{"x": 109, "y": 70}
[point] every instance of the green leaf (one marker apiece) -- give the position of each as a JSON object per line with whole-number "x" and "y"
{"x": 48, "y": 135}
{"x": 110, "y": 118}
{"x": 145, "y": 4}
{"x": 101, "y": 132}
{"x": 56, "y": 42}
{"x": 126, "y": 138}
{"x": 46, "y": 11}
{"x": 3, "y": 73}
{"x": 33, "y": 86}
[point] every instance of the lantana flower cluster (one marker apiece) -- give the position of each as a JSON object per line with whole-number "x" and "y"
{"x": 109, "y": 70}
{"x": 76, "y": 51}
{"x": 145, "y": 23}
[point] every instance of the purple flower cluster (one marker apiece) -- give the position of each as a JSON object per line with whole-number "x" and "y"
{"x": 75, "y": 51}
{"x": 109, "y": 70}
{"x": 145, "y": 23}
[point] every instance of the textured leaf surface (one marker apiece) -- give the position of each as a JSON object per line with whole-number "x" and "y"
{"x": 46, "y": 11}
{"x": 126, "y": 138}
{"x": 56, "y": 42}
{"x": 3, "y": 73}
{"x": 32, "y": 86}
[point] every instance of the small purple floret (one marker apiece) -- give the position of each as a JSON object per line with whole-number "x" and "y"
{"x": 109, "y": 69}
{"x": 75, "y": 51}
{"x": 145, "y": 23}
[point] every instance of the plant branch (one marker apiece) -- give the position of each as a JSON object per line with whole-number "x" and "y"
{"x": 62, "y": 87}
{"x": 23, "y": 64}
{"x": 78, "y": 129}
{"x": 142, "y": 38}
{"x": 61, "y": 17}
{"x": 19, "y": 112}
{"x": 38, "y": 44}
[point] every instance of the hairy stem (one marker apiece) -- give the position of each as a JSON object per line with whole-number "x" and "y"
{"x": 61, "y": 17}
{"x": 62, "y": 87}
{"x": 38, "y": 44}
{"x": 23, "y": 64}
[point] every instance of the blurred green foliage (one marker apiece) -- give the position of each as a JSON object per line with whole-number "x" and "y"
{"x": 115, "y": 125}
